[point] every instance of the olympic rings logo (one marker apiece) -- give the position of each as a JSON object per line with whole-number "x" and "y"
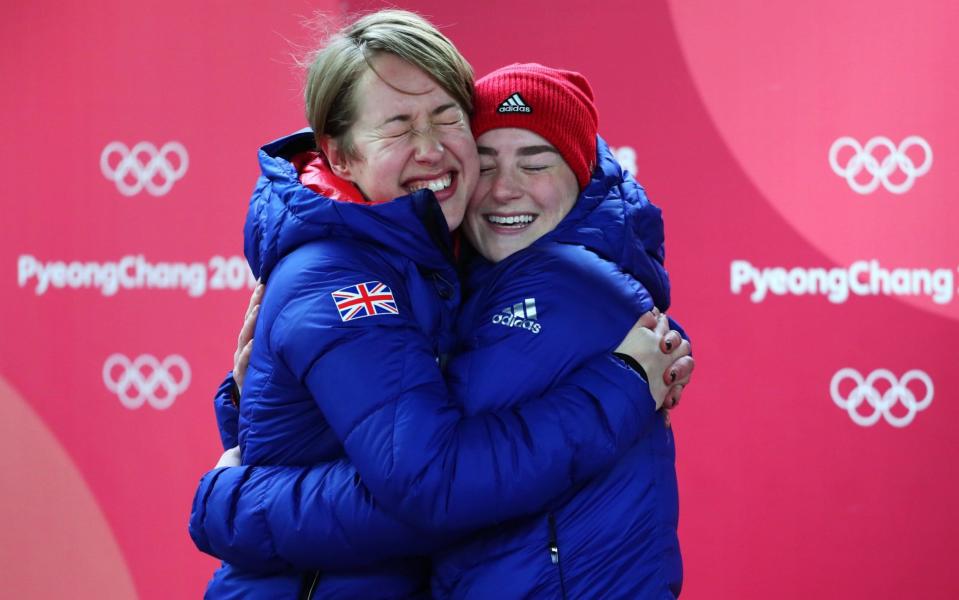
{"x": 144, "y": 167}
{"x": 626, "y": 157}
{"x": 137, "y": 382}
{"x": 896, "y": 159}
{"x": 881, "y": 404}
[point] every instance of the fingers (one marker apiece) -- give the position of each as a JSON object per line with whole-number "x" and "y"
{"x": 672, "y": 397}
{"x": 249, "y": 325}
{"x": 241, "y": 360}
{"x": 674, "y": 346}
{"x": 686, "y": 374}
{"x": 662, "y": 325}
{"x": 677, "y": 376}
{"x": 255, "y": 298}
{"x": 680, "y": 371}
{"x": 647, "y": 320}
{"x": 244, "y": 341}
{"x": 670, "y": 341}
{"x": 249, "y": 319}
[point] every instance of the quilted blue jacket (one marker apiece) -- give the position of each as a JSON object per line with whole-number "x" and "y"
{"x": 360, "y": 396}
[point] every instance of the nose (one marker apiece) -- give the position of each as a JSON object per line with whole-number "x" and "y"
{"x": 505, "y": 187}
{"x": 427, "y": 147}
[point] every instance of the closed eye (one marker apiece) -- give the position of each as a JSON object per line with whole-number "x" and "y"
{"x": 394, "y": 132}
{"x": 450, "y": 116}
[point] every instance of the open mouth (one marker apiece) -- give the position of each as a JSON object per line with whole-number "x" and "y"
{"x": 435, "y": 185}
{"x": 511, "y": 221}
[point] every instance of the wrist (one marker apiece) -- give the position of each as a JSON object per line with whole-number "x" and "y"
{"x": 633, "y": 364}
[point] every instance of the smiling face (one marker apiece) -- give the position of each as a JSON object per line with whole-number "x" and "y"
{"x": 525, "y": 189}
{"x": 409, "y": 134}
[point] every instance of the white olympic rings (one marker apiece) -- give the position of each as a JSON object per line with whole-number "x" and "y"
{"x": 134, "y": 388}
{"x": 626, "y": 157}
{"x": 896, "y": 159}
{"x": 881, "y": 404}
{"x": 144, "y": 172}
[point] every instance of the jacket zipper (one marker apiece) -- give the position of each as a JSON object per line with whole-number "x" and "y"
{"x": 311, "y": 588}
{"x": 554, "y": 553}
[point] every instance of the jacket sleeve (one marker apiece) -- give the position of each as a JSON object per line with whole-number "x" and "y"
{"x": 438, "y": 468}
{"x": 323, "y": 517}
{"x": 377, "y": 382}
{"x": 318, "y": 518}
{"x": 645, "y": 225}
{"x": 379, "y": 387}
{"x": 227, "y": 414}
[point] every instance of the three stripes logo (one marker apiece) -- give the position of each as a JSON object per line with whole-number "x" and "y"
{"x": 514, "y": 103}
{"x": 522, "y": 315}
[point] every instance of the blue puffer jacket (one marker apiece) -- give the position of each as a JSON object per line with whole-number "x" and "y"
{"x": 323, "y": 387}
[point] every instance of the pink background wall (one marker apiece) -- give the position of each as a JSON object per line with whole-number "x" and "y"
{"x": 729, "y": 110}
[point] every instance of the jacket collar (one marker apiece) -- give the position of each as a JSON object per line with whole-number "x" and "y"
{"x": 285, "y": 214}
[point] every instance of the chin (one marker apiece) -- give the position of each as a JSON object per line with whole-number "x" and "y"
{"x": 503, "y": 253}
{"x": 455, "y": 212}
{"x": 453, "y": 221}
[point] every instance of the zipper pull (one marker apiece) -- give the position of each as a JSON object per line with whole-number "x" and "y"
{"x": 306, "y": 593}
{"x": 553, "y": 543}
{"x": 554, "y": 552}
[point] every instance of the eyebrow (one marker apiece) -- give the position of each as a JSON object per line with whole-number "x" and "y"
{"x": 524, "y": 151}
{"x": 435, "y": 112}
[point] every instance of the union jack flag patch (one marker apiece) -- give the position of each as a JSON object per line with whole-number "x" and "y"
{"x": 364, "y": 300}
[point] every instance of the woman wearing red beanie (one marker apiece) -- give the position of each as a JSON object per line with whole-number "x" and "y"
{"x": 545, "y": 270}
{"x": 555, "y": 218}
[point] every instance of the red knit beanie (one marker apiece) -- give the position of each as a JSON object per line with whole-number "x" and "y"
{"x": 556, "y": 104}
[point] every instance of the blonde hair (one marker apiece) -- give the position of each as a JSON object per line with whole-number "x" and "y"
{"x": 336, "y": 68}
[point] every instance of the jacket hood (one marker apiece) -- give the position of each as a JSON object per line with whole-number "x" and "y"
{"x": 284, "y": 214}
{"x": 614, "y": 218}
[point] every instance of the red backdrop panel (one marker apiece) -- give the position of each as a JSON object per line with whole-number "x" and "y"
{"x": 802, "y": 155}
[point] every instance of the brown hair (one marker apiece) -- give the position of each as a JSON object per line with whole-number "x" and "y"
{"x": 337, "y": 67}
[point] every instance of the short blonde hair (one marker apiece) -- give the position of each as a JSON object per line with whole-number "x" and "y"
{"x": 337, "y": 67}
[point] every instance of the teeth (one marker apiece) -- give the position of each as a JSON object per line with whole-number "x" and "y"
{"x": 511, "y": 220}
{"x": 435, "y": 185}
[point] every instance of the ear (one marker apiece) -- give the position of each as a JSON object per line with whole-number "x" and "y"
{"x": 336, "y": 158}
